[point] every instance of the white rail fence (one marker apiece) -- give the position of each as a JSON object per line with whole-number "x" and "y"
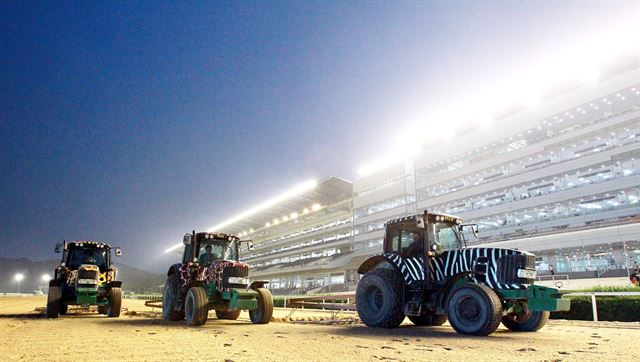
{"x": 593, "y": 295}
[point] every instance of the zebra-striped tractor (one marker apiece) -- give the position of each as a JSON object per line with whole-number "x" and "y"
{"x": 427, "y": 273}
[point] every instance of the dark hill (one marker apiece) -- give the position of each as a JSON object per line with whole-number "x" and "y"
{"x": 133, "y": 279}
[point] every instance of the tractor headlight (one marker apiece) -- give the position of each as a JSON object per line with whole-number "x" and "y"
{"x": 238, "y": 280}
{"x": 526, "y": 273}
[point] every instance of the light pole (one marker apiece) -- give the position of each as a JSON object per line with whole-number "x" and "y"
{"x": 45, "y": 279}
{"x": 18, "y": 277}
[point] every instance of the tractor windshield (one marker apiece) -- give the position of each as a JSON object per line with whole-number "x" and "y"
{"x": 213, "y": 249}
{"x": 444, "y": 236}
{"x": 78, "y": 256}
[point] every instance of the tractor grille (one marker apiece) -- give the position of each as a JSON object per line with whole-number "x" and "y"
{"x": 87, "y": 274}
{"x": 508, "y": 266}
{"x": 236, "y": 271}
{"x": 241, "y": 271}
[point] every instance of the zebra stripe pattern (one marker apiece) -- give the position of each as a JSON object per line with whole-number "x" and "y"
{"x": 453, "y": 262}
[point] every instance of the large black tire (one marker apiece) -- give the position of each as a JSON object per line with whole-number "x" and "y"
{"x": 115, "y": 302}
{"x": 474, "y": 309}
{"x": 529, "y": 322}
{"x": 428, "y": 319}
{"x": 196, "y": 309}
{"x": 170, "y": 311}
{"x": 232, "y": 314}
{"x": 262, "y": 315}
{"x": 379, "y": 298}
{"x": 63, "y": 308}
{"x": 54, "y": 302}
{"x": 103, "y": 309}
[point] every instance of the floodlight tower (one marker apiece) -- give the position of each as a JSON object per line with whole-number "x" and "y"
{"x": 18, "y": 277}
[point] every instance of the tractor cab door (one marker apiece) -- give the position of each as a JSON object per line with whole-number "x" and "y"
{"x": 405, "y": 240}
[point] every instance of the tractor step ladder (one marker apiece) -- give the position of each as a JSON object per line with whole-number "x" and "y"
{"x": 413, "y": 308}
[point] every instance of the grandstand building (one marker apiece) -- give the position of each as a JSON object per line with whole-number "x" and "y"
{"x": 301, "y": 243}
{"x": 561, "y": 179}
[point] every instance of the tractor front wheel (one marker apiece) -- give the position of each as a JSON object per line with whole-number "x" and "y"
{"x": 474, "y": 309}
{"x": 529, "y": 322}
{"x": 170, "y": 308}
{"x": 195, "y": 306}
{"x": 379, "y": 299}
{"x": 115, "y": 302}
{"x": 54, "y": 302}
{"x": 262, "y": 315}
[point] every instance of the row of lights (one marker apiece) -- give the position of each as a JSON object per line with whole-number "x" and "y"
{"x": 579, "y": 110}
{"x": 293, "y": 216}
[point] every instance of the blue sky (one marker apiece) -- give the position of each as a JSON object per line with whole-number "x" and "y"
{"x": 134, "y": 122}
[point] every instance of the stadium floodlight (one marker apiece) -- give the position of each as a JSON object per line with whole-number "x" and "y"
{"x": 46, "y": 277}
{"x": 293, "y": 192}
{"x": 18, "y": 277}
{"x": 316, "y": 207}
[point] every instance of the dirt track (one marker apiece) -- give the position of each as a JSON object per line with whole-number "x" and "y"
{"x": 25, "y": 334}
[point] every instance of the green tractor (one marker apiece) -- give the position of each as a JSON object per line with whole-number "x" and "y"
{"x": 428, "y": 274}
{"x": 210, "y": 277}
{"x": 85, "y": 277}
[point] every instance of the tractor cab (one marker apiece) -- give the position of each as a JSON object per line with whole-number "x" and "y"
{"x": 205, "y": 248}
{"x": 428, "y": 234}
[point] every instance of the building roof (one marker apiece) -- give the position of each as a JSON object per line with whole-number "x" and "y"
{"x": 310, "y": 203}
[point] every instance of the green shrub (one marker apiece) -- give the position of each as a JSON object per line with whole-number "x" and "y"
{"x": 621, "y": 309}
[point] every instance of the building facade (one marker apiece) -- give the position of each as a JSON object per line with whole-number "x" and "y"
{"x": 561, "y": 179}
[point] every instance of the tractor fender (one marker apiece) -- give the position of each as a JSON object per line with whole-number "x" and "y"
{"x": 55, "y": 282}
{"x": 376, "y": 261}
{"x": 114, "y": 284}
{"x": 173, "y": 269}
{"x": 258, "y": 284}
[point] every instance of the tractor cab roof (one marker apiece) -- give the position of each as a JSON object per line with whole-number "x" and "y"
{"x": 432, "y": 217}
{"x": 217, "y": 236}
{"x": 87, "y": 244}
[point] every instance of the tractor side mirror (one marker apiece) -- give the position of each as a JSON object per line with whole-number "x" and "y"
{"x": 59, "y": 248}
{"x": 250, "y": 245}
{"x": 186, "y": 240}
{"x": 473, "y": 227}
{"x": 420, "y": 222}
{"x": 118, "y": 251}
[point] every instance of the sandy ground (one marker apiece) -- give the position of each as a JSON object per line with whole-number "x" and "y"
{"x": 26, "y": 335}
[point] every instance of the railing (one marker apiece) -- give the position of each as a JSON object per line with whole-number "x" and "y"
{"x": 553, "y": 277}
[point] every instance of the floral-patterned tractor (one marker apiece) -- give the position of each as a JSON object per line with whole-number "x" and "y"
{"x": 210, "y": 277}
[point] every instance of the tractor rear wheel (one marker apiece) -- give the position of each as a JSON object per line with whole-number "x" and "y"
{"x": 115, "y": 302}
{"x": 262, "y": 314}
{"x": 428, "y": 319}
{"x": 63, "y": 309}
{"x": 54, "y": 302}
{"x": 195, "y": 306}
{"x": 232, "y": 314}
{"x": 474, "y": 309}
{"x": 529, "y": 322}
{"x": 379, "y": 298}
{"x": 170, "y": 310}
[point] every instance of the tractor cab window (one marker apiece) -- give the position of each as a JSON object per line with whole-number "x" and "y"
{"x": 408, "y": 242}
{"x": 212, "y": 250}
{"x": 444, "y": 236}
{"x": 79, "y": 256}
